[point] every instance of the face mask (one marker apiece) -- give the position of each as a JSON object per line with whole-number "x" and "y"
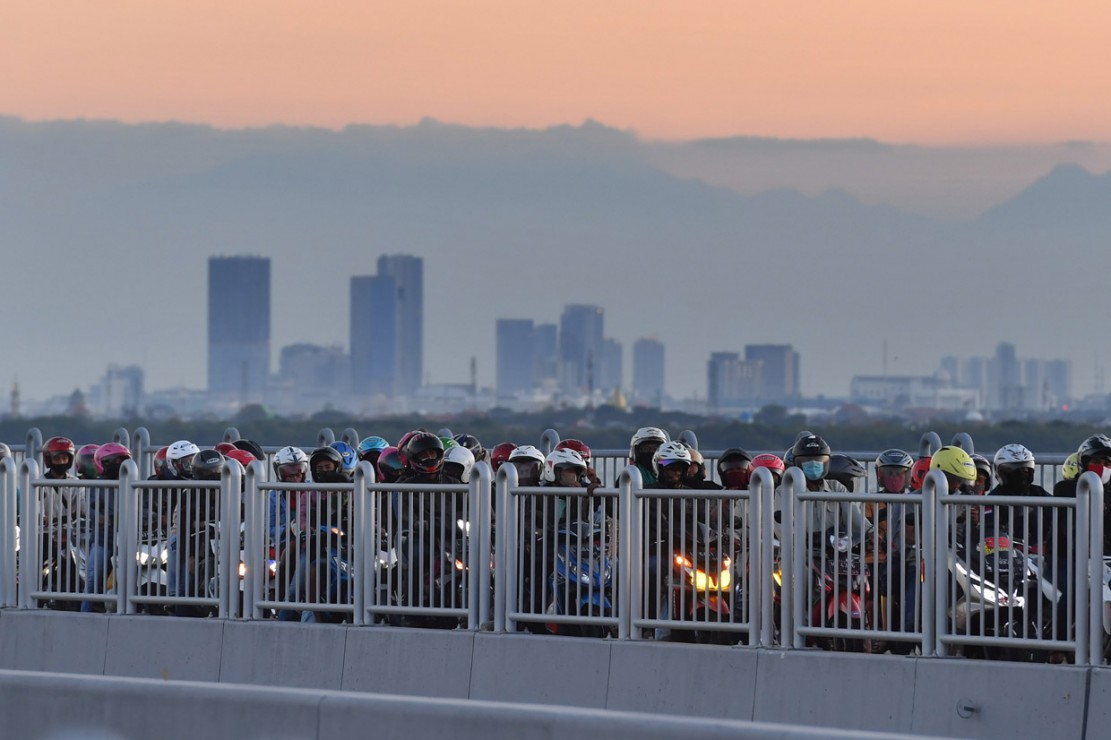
{"x": 333, "y": 476}
{"x": 737, "y": 478}
{"x": 813, "y": 470}
{"x": 894, "y": 482}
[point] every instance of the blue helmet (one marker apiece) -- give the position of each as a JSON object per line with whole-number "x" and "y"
{"x": 372, "y": 444}
{"x": 347, "y": 452}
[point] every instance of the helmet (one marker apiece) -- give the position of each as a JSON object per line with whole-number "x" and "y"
{"x": 698, "y": 465}
{"x": 85, "y": 462}
{"x": 290, "y": 461}
{"x": 424, "y": 453}
{"x": 350, "y": 458}
{"x": 1014, "y": 463}
{"x": 389, "y": 465}
{"x": 734, "y": 468}
{"x": 811, "y": 449}
{"x": 207, "y": 464}
{"x": 500, "y": 454}
{"x": 671, "y": 453}
{"x": 108, "y": 459}
{"x": 845, "y": 470}
{"x": 331, "y": 455}
{"x": 448, "y": 442}
{"x": 771, "y": 462}
{"x": 471, "y": 443}
{"x": 224, "y": 448}
{"x": 578, "y": 446}
{"x": 560, "y": 460}
{"x": 404, "y": 441}
{"x": 458, "y": 462}
{"x": 1098, "y": 446}
{"x": 371, "y": 447}
{"x": 894, "y": 458}
{"x": 529, "y": 462}
{"x": 242, "y": 457}
{"x": 648, "y": 437}
{"x": 1071, "y": 468}
{"x": 179, "y": 458}
{"x": 918, "y": 473}
{"x": 954, "y": 461}
{"x": 159, "y": 462}
{"x": 56, "y": 446}
{"x": 249, "y": 445}
{"x": 985, "y": 466}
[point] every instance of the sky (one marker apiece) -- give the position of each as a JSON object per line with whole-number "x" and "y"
{"x": 938, "y": 72}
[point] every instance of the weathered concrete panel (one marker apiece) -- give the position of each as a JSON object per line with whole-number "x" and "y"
{"x": 812, "y": 687}
{"x": 1099, "y": 703}
{"x": 696, "y": 680}
{"x": 539, "y": 669}
{"x": 415, "y": 662}
{"x": 170, "y": 648}
{"x": 283, "y": 654}
{"x": 42, "y": 640}
{"x": 1010, "y": 699}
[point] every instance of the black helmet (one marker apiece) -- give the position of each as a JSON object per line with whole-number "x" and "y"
{"x": 250, "y": 446}
{"x": 733, "y": 454}
{"x": 845, "y": 470}
{"x": 471, "y": 443}
{"x": 810, "y": 446}
{"x": 1098, "y": 445}
{"x": 389, "y": 465}
{"x": 207, "y": 464}
{"x": 330, "y": 454}
{"x": 416, "y": 452}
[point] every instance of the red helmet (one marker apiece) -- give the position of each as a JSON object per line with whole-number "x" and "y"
{"x": 243, "y": 457}
{"x": 401, "y": 446}
{"x": 389, "y": 465}
{"x": 918, "y": 473}
{"x": 500, "y": 454}
{"x": 772, "y": 462}
{"x": 109, "y": 458}
{"x": 159, "y": 462}
{"x": 86, "y": 463}
{"x": 578, "y": 446}
{"x": 225, "y": 447}
{"x": 58, "y": 446}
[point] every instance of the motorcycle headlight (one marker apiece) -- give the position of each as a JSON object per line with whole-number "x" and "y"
{"x": 242, "y": 569}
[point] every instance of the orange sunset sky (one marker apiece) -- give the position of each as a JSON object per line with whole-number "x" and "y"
{"x": 934, "y": 71}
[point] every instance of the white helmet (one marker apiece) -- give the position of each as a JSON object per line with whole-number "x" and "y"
{"x": 291, "y": 458}
{"x": 1012, "y": 459}
{"x": 528, "y": 453}
{"x": 647, "y": 434}
{"x": 669, "y": 453}
{"x": 179, "y": 457}
{"x": 559, "y": 459}
{"x": 462, "y": 461}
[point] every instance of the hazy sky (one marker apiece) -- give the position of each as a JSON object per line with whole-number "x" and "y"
{"x": 939, "y": 71}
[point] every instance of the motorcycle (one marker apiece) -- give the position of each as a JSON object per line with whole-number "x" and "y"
{"x": 703, "y": 587}
{"x": 582, "y": 580}
{"x": 63, "y": 569}
{"x": 327, "y": 574}
{"x": 841, "y": 592}
{"x": 430, "y": 572}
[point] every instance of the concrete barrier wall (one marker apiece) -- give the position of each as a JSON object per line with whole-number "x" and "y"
{"x": 830, "y": 690}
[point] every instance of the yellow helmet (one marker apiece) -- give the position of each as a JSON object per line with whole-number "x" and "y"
{"x": 1071, "y": 468}
{"x": 954, "y": 461}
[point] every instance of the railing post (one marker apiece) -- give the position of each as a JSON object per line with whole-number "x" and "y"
{"x": 759, "y": 557}
{"x": 29, "y": 565}
{"x": 548, "y": 440}
{"x": 505, "y": 557}
{"x": 1095, "y": 570}
{"x": 363, "y": 555}
{"x": 127, "y": 537}
{"x": 929, "y": 444}
{"x": 122, "y": 436}
{"x": 34, "y": 445}
{"x": 628, "y": 483}
{"x": 926, "y": 545}
{"x": 141, "y": 444}
{"x": 634, "y": 570}
{"x": 325, "y": 437}
{"x": 7, "y": 532}
{"x": 689, "y": 438}
{"x": 964, "y": 441}
{"x": 1081, "y": 564}
{"x": 792, "y": 552}
{"x": 351, "y": 437}
{"x": 373, "y": 534}
{"x": 475, "y": 503}
{"x": 940, "y": 569}
{"x": 255, "y": 550}
{"x": 230, "y": 487}
{"x": 231, "y": 434}
{"x": 481, "y": 478}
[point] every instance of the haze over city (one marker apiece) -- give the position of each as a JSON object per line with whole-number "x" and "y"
{"x": 842, "y": 179}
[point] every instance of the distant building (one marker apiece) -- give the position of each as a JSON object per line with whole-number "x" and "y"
{"x": 311, "y": 367}
{"x": 732, "y": 382}
{"x": 119, "y": 394}
{"x": 779, "y": 371}
{"x": 545, "y": 352}
{"x": 516, "y": 370}
{"x": 648, "y": 372}
{"x": 611, "y": 366}
{"x": 238, "y": 326}
{"x": 373, "y": 335}
{"x": 580, "y": 347}
{"x": 913, "y": 392}
{"x": 407, "y": 273}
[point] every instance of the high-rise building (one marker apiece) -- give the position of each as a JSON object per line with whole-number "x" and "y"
{"x": 732, "y": 381}
{"x": 313, "y": 368}
{"x": 516, "y": 360}
{"x": 611, "y": 366}
{"x": 238, "y": 326}
{"x": 580, "y": 347}
{"x": 648, "y": 371}
{"x": 407, "y": 273}
{"x": 545, "y": 350}
{"x": 373, "y": 330}
{"x": 779, "y": 374}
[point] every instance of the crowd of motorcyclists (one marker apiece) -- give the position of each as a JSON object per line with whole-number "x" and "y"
{"x": 306, "y": 520}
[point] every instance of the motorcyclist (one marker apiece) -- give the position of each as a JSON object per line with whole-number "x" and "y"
{"x": 109, "y": 459}
{"x": 291, "y": 465}
{"x": 734, "y": 468}
{"x": 85, "y": 463}
{"x": 812, "y": 455}
{"x": 500, "y": 454}
{"x": 459, "y": 462}
{"x": 471, "y": 443}
{"x": 584, "y": 452}
{"x": 696, "y": 473}
{"x": 1093, "y": 455}
{"x": 985, "y": 474}
{"x": 897, "y": 555}
{"x": 192, "y": 563}
{"x": 57, "y": 505}
{"x": 846, "y": 471}
{"x": 370, "y": 449}
{"x": 642, "y": 450}
{"x": 774, "y": 464}
{"x": 1014, "y": 466}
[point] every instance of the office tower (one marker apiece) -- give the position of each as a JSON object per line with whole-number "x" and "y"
{"x": 731, "y": 380}
{"x": 407, "y": 273}
{"x": 238, "y": 325}
{"x": 611, "y": 366}
{"x": 779, "y": 375}
{"x": 580, "y": 347}
{"x": 311, "y": 368}
{"x": 373, "y": 330}
{"x": 648, "y": 371}
{"x": 545, "y": 352}
{"x": 516, "y": 357}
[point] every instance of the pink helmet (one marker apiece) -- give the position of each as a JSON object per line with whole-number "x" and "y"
{"x": 110, "y": 457}
{"x": 772, "y": 462}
